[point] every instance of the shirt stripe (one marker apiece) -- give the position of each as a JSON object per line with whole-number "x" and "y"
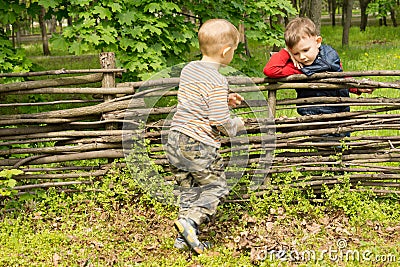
{"x": 203, "y": 104}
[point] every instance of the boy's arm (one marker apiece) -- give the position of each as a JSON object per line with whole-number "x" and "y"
{"x": 327, "y": 60}
{"x": 219, "y": 114}
{"x": 280, "y": 65}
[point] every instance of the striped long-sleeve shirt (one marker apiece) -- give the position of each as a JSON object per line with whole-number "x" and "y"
{"x": 202, "y": 111}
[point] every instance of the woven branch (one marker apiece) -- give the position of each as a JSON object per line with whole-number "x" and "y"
{"x": 50, "y": 184}
{"x": 60, "y": 71}
{"x": 92, "y": 78}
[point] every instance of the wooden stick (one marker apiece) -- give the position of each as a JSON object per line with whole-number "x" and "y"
{"x": 45, "y": 159}
{"x": 256, "y": 80}
{"x": 372, "y": 157}
{"x": 327, "y": 99}
{"x": 302, "y": 77}
{"x": 59, "y": 149}
{"x": 50, "y": 184}
{"x": 276, "y": 169}
{"x": 31, "y": 141}
{"x": 92, "y": 78}
{"x": 76, "y": 90}
{"x": 58, "y": 72}
{"x": 60, "y": 175}
{"x": 76, "y": 112}
{"x": 48, "y": 103}
{"x": 66, "y": 134}
{"x": 11, "y": 133}
{"x": 363, "y": 82}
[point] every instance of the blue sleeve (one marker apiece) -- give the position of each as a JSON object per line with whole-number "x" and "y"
{"x": 327, "y": 60}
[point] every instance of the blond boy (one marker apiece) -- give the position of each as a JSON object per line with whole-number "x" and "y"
{"x": 202, "y": 116}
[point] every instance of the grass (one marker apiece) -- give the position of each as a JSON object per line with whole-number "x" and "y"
{"x": 122, "y": 226}
{"x": 127, "y": 228}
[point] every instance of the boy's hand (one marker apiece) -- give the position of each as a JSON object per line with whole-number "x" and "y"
{"x": 240, "y": 124}
{"x": 295, "y": 62}
{"x": 234, "y": 99}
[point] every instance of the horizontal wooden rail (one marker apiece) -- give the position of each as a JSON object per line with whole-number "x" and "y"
{"x": 58, "y": 72}
{"x": 70, "y": 143}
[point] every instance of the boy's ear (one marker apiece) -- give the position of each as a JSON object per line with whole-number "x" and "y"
{"x": 319, "y": 40}
{"x": 226, "y": 50}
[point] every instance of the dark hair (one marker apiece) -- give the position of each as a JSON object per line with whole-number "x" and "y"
{"x": 297, "y": 29}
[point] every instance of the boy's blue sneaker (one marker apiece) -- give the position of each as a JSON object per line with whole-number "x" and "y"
{"x": 180, "y": 243}
{"x": 188, "y": 230}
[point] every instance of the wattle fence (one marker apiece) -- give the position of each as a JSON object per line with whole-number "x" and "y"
{"x": 67, "y": 131}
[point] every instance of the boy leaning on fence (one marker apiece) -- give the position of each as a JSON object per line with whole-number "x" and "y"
{"x": 305, "y": 54}
{"x": 193, "y": 141}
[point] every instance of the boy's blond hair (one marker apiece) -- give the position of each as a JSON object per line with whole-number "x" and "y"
{"x": 214, "y": 34}
{"x": 297, "y": 29}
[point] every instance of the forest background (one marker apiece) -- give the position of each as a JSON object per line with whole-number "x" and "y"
{"x": 119, "y": 225}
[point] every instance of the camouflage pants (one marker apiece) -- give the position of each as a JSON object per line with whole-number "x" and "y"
{"x": 199, "y": 173}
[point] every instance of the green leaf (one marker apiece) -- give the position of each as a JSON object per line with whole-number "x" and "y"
{"x": 116, "y": 7}
{"x": 171, "y": 7}
{"x": 48, "y": 3}
{"x": 125, "y": 43}
{"x": 95, "y": 39}
{"x": 152, "y": 29}
{"x": 59, "y": 42}
{"x": 8, "y": 173}
{"x": 126, "y": 18}
{"x": 140, "y": 47}
{"x": 11, "y": 183}
{"x": 102, "y": 12}
{"x": 152, "y": 7}
{"x": 78, "y": 48}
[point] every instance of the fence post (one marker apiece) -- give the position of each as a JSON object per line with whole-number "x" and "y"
{"x": 107, "y": 61}
{"x": 272, "y": 97}
{"x": 272, "y": 102}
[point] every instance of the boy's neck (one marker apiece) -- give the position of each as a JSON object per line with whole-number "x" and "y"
{"x": 215, "y": 62}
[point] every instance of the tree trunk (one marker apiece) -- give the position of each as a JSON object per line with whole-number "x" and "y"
{"x": 304, "y": 8}
{"x": 312, "y": 9}
{"x": 53, "y": 25}
{"x": 393, "y": 17}
{"x": 364, "y": 14}
{"x": 315, "y": 13}
{"x": 13, "y": 35}
{"x": 243, "y": 39}
{"x": 347, "y": 11}
{"x": 295, "y": 4}
{"x": 17, "y": 34}
{"x": 45, "y": 41}
{"x": 333, "y": 10}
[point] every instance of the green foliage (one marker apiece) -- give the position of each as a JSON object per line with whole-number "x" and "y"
{"x": 10, "y": 11}
{"x": 380, "y": 8}
{"x": 12, "y": 60}
{"x": 148, "y": 36}
{"x": 7, "y": 182}
{"x": 259, "y": 17}
{"x": 144, "y": 35}
{"x": 360, "y": 205}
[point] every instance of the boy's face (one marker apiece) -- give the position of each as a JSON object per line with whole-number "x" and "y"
{"x": 307, "y": 49}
